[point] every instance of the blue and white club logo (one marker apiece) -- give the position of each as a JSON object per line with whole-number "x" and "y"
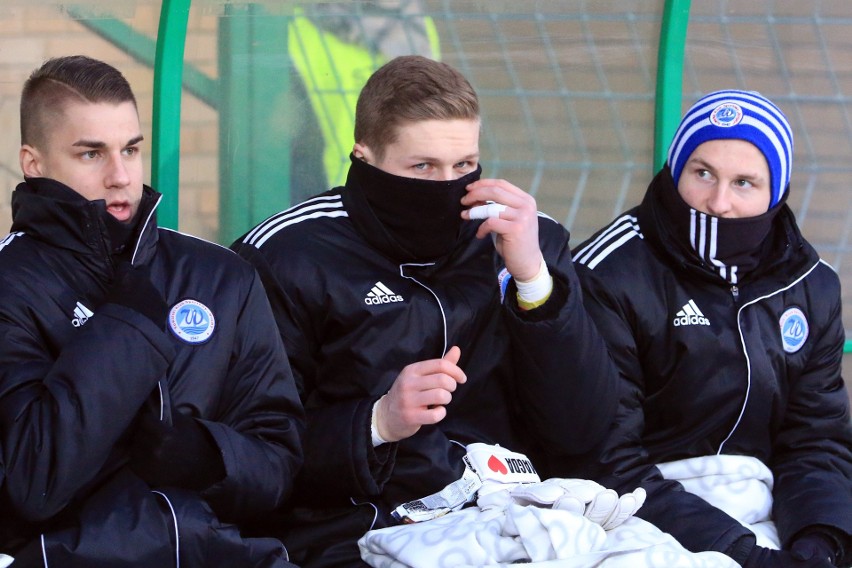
{"x": 192, "y": 321}
{"x": 794, "y": 329}
{"x": 726, "y": 115}
{"x": 503, "y": 281}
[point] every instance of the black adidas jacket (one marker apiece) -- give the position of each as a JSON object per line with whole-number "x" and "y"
{"x": 694, "y": 353}
{"x": 74, "y": 372}
{"x": 352, "y": 314}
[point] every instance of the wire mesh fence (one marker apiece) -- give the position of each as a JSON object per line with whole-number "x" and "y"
{"x": 568, "y": 98}
{"x": 567, "y": 90}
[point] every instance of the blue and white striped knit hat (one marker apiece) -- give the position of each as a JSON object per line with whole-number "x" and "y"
{"x": 741, "y": 115}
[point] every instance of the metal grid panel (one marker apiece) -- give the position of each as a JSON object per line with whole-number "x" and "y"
{"x": 567, "y": 95}
{"x": 567, "y": 91}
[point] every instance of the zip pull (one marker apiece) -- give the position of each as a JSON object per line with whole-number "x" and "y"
{"x": 735, "y": 292}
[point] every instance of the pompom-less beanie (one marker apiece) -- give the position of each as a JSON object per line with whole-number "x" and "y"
{"x": 741, "y": 115}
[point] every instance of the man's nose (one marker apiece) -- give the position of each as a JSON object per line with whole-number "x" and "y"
{"x": 719, "y": 201}
{"x": 447, "y": 174}
{"x": 117, "y": 174}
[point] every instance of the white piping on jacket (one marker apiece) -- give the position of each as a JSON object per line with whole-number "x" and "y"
{"x": 162, "y": 401}
{"x": 375, "y": 510}
{"x": 177, "y": 531}
{"x": 611, "y": 238}
{"x": 745, "y": 350}
{"x": 9, "y": 238}
{"x": 144, "y": 227}
{"x": 294, "y": 215}
{"x": 437, "y": 299}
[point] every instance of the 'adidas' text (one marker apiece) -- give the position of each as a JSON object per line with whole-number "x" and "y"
{"x": 381, "y": 294}
{"x": 689, "y": 314}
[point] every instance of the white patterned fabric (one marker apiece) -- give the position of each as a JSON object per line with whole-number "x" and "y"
{"x": 739, "y": 485}
{"x": 540, "y": 537}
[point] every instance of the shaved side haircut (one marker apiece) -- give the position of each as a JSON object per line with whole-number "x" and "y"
{"x": 63, "y": 80}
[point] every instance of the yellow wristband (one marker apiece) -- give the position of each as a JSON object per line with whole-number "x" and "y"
{"x": 527, "y": 306}
{"x": 535, "y": 292}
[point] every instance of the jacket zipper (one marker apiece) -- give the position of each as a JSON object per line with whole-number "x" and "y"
{"x": 735, "y": 292}
{"x": 402, "y": 268}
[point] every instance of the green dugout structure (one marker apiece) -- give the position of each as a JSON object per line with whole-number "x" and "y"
{"x": 253, "y": 45}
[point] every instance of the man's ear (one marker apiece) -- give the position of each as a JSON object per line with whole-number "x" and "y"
{"x": 30, "y": 161}
{"x": 361, "y": 152}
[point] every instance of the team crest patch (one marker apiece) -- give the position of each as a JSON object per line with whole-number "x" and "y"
{"x": 726, "y": 115}
{"x": 503, "y": 281}
{"x": 192, "y": 321}
{"x": 794, "y": 329}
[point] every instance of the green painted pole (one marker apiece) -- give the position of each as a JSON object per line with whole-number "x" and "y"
{"x": 669, "y": 77}
{"x": 168, "y": 80}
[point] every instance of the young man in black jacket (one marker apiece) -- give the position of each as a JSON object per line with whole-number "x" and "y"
{"x": 727, "y": 329}
{"x": 423, "y": 309}
{"x": 147, "y": 409}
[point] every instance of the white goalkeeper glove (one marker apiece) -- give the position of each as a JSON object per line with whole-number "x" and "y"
{"x": 581, "y": 496}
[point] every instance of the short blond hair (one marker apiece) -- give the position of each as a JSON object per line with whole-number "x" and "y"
{"x": 410, "y": 88}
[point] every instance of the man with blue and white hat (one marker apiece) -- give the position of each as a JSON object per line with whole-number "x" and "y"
{"x": 726, "y": 327}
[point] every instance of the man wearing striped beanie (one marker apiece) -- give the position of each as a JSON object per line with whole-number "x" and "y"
{"x": 727, "y": 330}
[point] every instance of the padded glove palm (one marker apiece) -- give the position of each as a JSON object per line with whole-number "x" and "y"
{"x": 583, "y": 497}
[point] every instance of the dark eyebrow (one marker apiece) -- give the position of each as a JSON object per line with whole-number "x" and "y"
{"x": 89, "y": 144}
{"x": 700, "y": 162}
{"x": 430, "y": 159}
{"x": 96, "y": 144}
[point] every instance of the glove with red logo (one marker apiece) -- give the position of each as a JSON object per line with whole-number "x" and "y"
{"x": 499, "y": 470}
{"x": 581, "y": 496}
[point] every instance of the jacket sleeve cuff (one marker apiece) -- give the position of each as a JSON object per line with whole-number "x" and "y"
{"x": 741, "y": 548}
{"x": 548, "y": 309}
{"x": 339, "y": 454}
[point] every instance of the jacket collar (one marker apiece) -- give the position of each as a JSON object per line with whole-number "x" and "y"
{"x": 53, "y": 213}
{"x": 784, "y": 254}
{"x": 371, "y": 229}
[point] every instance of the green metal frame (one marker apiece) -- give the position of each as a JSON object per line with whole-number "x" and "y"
{"x": 667, "y": 99}
{"x": 168, "y": 89}
{"x": 255, "y": 118}
{"x": 260, "y": 195}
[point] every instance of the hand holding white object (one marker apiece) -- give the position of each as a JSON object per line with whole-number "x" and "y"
{"x": 583, "y": 497}
{"x": 511, "y": 217}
